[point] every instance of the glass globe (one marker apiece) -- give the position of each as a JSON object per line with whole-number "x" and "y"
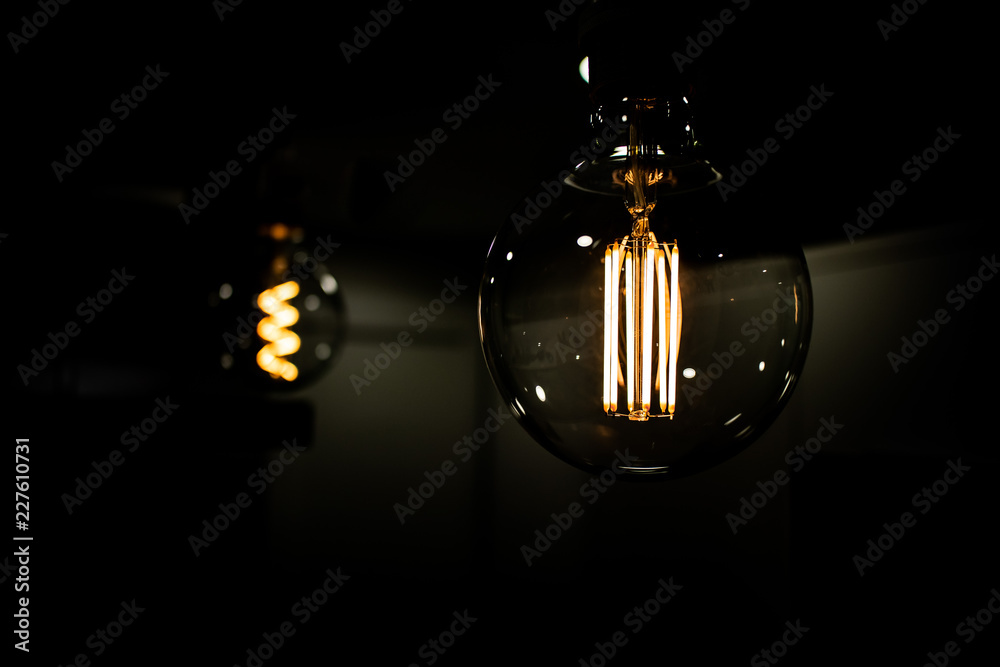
{"x": 700, "y": 351}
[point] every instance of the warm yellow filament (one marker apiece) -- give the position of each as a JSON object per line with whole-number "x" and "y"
{"x": 661, "y": 357}
{"x": 630, "y": 329}
{"x": 648, "y": 254}
{"x": 651, "y": 301}
{"x": 675, "y": 322}
{"x": 609, "y": 314}
{"x": 616, "y": 260}
{"x": 274, "y": 329}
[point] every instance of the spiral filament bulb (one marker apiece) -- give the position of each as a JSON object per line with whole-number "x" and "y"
{"x": 281, "y": 342}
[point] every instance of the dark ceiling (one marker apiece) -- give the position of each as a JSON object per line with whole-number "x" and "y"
{"x": 120, "y": 208}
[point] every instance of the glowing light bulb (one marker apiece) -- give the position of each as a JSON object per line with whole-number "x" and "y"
{"x": 651, "y": 305}
{"x": 279, "y": 311}
{"x": 274, "y": 329}
{"x": 654, "y": 318}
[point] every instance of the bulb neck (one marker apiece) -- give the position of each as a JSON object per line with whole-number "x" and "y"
{"x": 652, "y": 153}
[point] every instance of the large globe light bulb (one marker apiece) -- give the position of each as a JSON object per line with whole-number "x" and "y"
{"x": 630, "y": 319}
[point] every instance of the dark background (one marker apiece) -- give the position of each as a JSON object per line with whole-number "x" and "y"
{"x": 333, "y": 507}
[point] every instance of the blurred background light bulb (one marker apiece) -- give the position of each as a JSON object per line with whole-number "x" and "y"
{"x": 279, "y": 309}
{"x": 275, "y": 329}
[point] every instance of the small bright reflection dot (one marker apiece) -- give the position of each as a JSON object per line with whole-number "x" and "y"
{"x": 584, "y": 241}
{"x": 720, "y": 254}
{"x": 312, "y": 302}
{"x": 322, "y": 351}
{"x": 328, "y": 283}
{"x": 226, "y": 361}
{"x": 540, "y": 393}
{"x": 765, "y": 270}
{"x": 685, "y": 100}
{"x": 225, "y": 291}
{"x": 760, "y": 366}
{"x": 578, "y": 356}
{"x": 687, "y": 128}
{"x": 510, "y": 256}
{"x": 688, "y": 373}
{"x": 585, "y": 69}
{"x": 782, "y": 342}
{"x": 491, "y": 280}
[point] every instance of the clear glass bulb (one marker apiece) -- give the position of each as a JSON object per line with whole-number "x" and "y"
{"x": 635, "y": 313}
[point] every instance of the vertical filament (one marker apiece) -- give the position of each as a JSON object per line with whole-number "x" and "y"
{"x": 661, "y": 307}
{"x": 651, "y": 326}
{"x": 274, "y": 329}
{"x": 608, "y": 293}
{"x": 629, "y": 328}
{"x": 648, "y": 253}
{"x": 614, "y": 368}
{"x": 675, "y": 326}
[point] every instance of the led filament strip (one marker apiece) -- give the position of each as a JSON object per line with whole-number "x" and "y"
{"x": 647, "y": 305}
{"x": 274, "y": 329}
